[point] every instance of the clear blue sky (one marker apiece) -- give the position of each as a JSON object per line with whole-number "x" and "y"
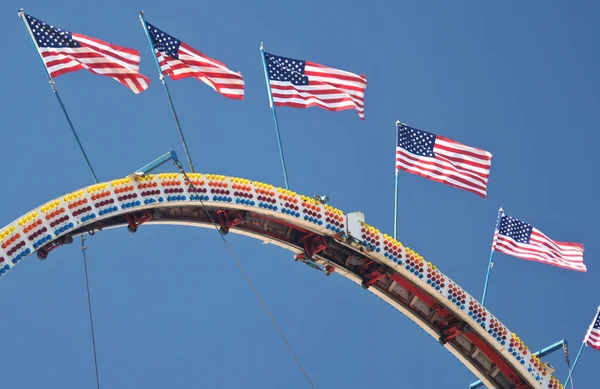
{"x": 519, "y": 79}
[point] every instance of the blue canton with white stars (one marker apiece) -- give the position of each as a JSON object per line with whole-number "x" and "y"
{"x": 164, "y": 42}
{"x": 597, "y": 323}
{"x": 516, "y": 229}
{"x": 49, "y": 36}
{"x": 286, "y": 69}
{"x": 416, "y": 141}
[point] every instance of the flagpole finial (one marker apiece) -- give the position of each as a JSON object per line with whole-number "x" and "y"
{"x": 262, "y": 47}
{"x": 398, "y": 122}
{"x": 20, "y": 13}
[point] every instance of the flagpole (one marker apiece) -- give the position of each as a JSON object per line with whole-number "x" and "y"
{"x": 164, "y": 83}
{"x": 262, "y": 52}
{"x": 574, "y": 364}
{"x": 491, "y": 263}
{"x": 51, "y": 81}
{"x": 396, "y": 205}
{"x": 580, "y": 351}
{"x": 396, "y": 187}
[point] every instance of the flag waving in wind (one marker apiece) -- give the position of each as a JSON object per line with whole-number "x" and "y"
{"x": 592, "y": 338}
{"x": 179, "y": 60}
{"x": 302, "y": 84}
{"x": 63, "y": 52}
{"x": 443, "y": 160}
{"x": 522, "y": 240}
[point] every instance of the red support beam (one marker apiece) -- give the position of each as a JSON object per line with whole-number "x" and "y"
{"x": 134, "y": 221}
{"x": 422, "y": 295}
{"x": 451, "y": 331}
{"x": 494, "y": 356}
{"x": 43, "y": 252}
{"x": 406, "y": 284}
{"x": 375, "y": 276}
{"x": 228, "y": 219}
{"x": 292, "y": 226}
{"x": 496, "y": 359}
{"x": 313, "y": 244}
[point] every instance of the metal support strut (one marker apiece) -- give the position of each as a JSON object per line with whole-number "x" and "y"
{"x": 228, "y": 219}
{"x": 136, "y": 220}
{"x": 371, "y": 272}
{"x": 42, "y": 252}
{"x": 313, "y": 244}
{"x": 449, "y": 334}
{"x": 171, "y": 155}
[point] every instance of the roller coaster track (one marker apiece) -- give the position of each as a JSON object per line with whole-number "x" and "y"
{"x": 318, "y": 234}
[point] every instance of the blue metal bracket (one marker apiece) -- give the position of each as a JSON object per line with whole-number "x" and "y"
{"x": 550, "y": 349}
{"x": 543, "y": 352}
{"x": 141, "y": 172}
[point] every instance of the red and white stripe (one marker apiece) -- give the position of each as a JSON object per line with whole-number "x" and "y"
{"x": 455, "y": 164}
{"x": 328, "y": 88}
{"x": 543, "y": 249}
{"x": 592, "y": 338}
{"x": 192, "y": 63}
{"x": 105, "y": 59}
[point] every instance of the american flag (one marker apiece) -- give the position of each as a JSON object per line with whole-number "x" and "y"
{"x": 179, "y": 60}
{"x": 63, "y": 52}
{"x": 302, "y": 84}
{"x": 443, "y": 160}
{"x": 522, "y": 240}
{"x": 592, "y": 338}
